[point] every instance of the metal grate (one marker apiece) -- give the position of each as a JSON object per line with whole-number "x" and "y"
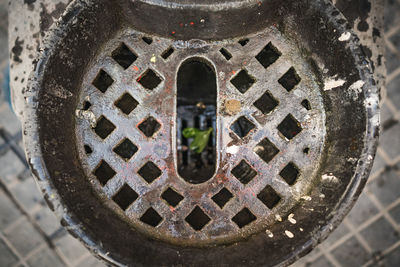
{"x": 267, "y": 145}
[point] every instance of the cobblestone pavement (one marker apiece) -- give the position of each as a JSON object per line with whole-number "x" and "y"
{"x": 30, "y": 235}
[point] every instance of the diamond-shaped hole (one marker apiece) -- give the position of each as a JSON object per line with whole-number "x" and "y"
{"x": 104, "y": 172}
{"x": 167, "y": 53}
{"x": 149, "y": 172}
{"x": 266, "y": 103}
{"x": 151, "y": 217}
{"x": 124, "y": 56}
{"x": 147, "y": 40}
{"x": 242, "y": 126}
{"x": 126, "y": 149}
{"x": 103, "y": 81}
{"x": 289, "y": 127}
{"x": 104, "y": 127}
{"x": 197, "y": 219}
{"x": 244, "y": 172}
{"x": 125, "y": 197}
{"x": 269, "y": 197}
{"x": 126, "y": 103}
{"x": 266, "y": 150}
{"x": 243, "y": 81}
{"x": 243, "y": 42}
{"x": 306, "y": 104}
{"x": 290, "y": 79}
{"x": 149, "y": 126}
{"x": 88, "y": 149}
{"x": 222, "y": 197}
{"x": 172, "y": 197}
{"x": 149, "y": 79}
{"x": 290, "y": 173}
{"x": 244, "y": 217}
{"x": 225, "y": 53}
{"x": 268, "y": 55}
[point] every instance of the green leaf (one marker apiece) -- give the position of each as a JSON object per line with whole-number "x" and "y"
{"x": 200, "y": 138}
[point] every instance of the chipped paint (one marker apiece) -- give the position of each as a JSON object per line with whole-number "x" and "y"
{"x": 307, "y": 198}
{"x": 332, "y": 83}
{"x": 278, "y": 217}
{"x": 232, "y": 150}
{"x": 291, "y": 219}
{"x": 86, "y": 115}
{"x": 345, "y": 36}
{"x": 329, "y": 178}
{"x": 356, "y": 89}
{"x": 289, "y": 234}
{"x": 269, "y": 233}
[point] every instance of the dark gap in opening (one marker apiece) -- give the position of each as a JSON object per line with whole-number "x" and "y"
{"x": 243, "y": 42}
{"x": 306, "y": 150}
{"x": 290, "y": 79}
{"x": 126, "y": 103}
{"x": 266, "y": 103}
{"x": 222, "y": 197}
{"x": 88, "y": 149}
{"x": 172, "y": 197}
{"x": 124, "y": 56}
{"x": 86, "y": 105}
{"x": 149, "y": 79}
{"x": 266, "y": 150}
{"x": 242, "y": 126}
{"x": 268, "y": 55}
{"x": 151, "y": 217}
{"x": 244, "y": 172}
{"x": 289, "y": 127}
{"x": 196, "y": 108}
{"x": 197, "y": 219}
{"x": 225, "y": 53}
{"x": 167, "y": 53}
{"x": 147, "y": 40}
{"x": 306, "y": 104}
{"x": 125, "y": 197}
{"x": 149, "y": 172}
{"x": 126, "y": 149}
{"x": 149, "y": 127}
{"x": 104, "y": 127}
{"x": 243, "y": 81}
{"x": 269, "y": 197}
{"x": 104, "y": 172}
{"x": 244, "y": 217}
{"x": 103, "y": 81}
{"x": 290, "y": 173}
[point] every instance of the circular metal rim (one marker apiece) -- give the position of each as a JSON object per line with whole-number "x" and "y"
{"x": 34, "y": 153}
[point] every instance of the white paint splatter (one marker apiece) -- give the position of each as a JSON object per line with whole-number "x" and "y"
{"x": 86, "y": 115}
{"x": 345, "y": 36}
{"x": 322, "y": 195}
{"x": 153, "y": 59}
{"x": 356, "y": 88}
{"x": 269, "y": 233}
{"x": 291, "y": 219}
{"x": 329, "y": 178}
{"x": 307, "y": 198}
{"x": 332, "y": 83}
{"x": 301, "y": 229}
{"x": 289, "y": 234}
{"x": 278, "y": 217}
{"x": 232, "y": 150}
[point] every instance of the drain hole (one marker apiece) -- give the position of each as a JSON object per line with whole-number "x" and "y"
{"x": 268, "y": 55}
{"x": 104, "y": 172}
{"x": 167, "y": 53}
{"x": 104, "y": 127}
{"x": 197, "y": 219}
{"x": 126, "y": 103}
{"x": 243, "y": 42}
{"x": 126, "y": 149}
{"x": 151, "y": 217}
{"x": 244, "y": 217}
{"x": 290, "y": 173}
{"x": 103, "y": 81}
{"x": 125, "y": 197}
{"x": 289, "y": 127}
{"x": 124, "y": 56}
{"x": 242, "y": 126}
{"x": 149, "y": 172}
{"x": 243, "y": 81}
{"x": 306, "y": 150}
{"x": 149, "y": 79}
{"x": 172, "y": 197}
{"x": 306, "y": 104}
{"x": 88, "y": 149}
{"x": 196, "y": 116}
{"x": 290, "y": 79}
{"x": 244, "y": 172}
{"x": 266, "y": 150}
{"x": 225, "y": 53}
{"x": 222, "y": 197}
{"x": 147, "y": 40}
{"x": 266, "y": 103}
{"x": 86, "y": 105}
{"x": 269, "y": 197}
{"x": 149, "y": 127}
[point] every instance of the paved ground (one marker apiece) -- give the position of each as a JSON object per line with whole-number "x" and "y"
{"x": 30, "y": 235}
